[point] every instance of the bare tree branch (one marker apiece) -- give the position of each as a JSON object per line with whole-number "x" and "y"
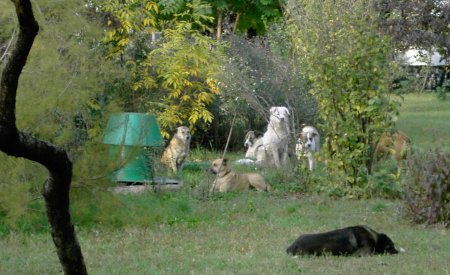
{"x": 9, "y": 45}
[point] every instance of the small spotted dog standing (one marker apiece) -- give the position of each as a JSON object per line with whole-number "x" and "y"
{"x": 252, "y": 143}
{"x": 354, "y": 240}
{"x": 307, "y": 145}
{"x": 175, "y": 154}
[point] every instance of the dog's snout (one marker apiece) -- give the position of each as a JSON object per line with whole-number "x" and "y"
{"x": 211, "y": 170}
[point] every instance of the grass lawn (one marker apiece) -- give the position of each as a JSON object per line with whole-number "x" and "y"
{"x": 425, "y": 119}
{"x": 244, "y": 233}
{"x": 241, "y": 234}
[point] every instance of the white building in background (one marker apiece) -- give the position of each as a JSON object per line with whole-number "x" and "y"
{"x": 432, "y": 66}
{"x": 415, "y": 57}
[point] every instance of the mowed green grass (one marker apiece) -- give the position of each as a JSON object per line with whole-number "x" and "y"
{"x": 426, "y": 120}
{"x": 244, "y": 233}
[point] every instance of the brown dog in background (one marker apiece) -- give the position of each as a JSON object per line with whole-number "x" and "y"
{"x": 175, "y": 154}
{"x": 395, "y": 145}
{"x": 227, "y": 180}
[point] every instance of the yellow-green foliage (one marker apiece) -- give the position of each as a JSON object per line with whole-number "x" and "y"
{"x": 174, "y": 76}
{"x": 19, "y": 185}
{"x": 63, "y": 72}
{"x": 58, "y": 86}
{"x": 347, "y": 62}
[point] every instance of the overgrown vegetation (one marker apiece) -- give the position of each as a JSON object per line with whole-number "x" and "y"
{"x": 351, "y": 81}
{"x": 315, "y": 68}
{"x": 427, "y": 187}
{"x": 254, "y": 78}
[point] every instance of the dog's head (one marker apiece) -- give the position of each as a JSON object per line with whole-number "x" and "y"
{"x": 183, "y": 133}
{"x": 308, "y": 140}
{"x": 385, "y": 245}
{"x": 249, "y": 138}
{"x": 294, "y": 248}
{"x": 279, "y": 114}
{"x": 218, "y": 166}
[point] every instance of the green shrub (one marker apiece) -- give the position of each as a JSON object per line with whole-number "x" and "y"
{"x": 384, "y": 182}
{"x": 20, "y": 186}
{"x": 443, "y": 92}
{"x": 427, "y": 187}
{"x": 351, "y": 81}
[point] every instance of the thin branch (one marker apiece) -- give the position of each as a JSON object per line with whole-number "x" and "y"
{"x": 9, "y": 44}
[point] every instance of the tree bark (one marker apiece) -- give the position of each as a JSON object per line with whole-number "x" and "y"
{"x": 19, "y": 144}
{"x": 219, "y": 26}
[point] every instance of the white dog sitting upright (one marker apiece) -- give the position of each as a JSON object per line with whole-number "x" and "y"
{"x": 276, "y": 139}
{"x": 308, "y": 144}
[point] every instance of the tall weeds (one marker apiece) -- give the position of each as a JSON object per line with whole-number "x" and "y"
{"x": 427, "y": 187}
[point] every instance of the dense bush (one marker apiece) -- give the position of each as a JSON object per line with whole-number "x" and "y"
{"x": 255, "y": 77}
{"x": 443, "y": 91}
{"x": 351, "y": 81}
{"x": 427, "y": 187}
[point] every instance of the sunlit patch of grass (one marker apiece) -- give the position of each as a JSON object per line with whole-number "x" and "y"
{"x": 425, "y": 119}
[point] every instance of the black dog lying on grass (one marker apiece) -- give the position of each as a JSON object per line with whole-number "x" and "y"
{"x": 354, "y": 240}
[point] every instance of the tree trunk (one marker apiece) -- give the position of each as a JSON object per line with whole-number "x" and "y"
{"x": 236, "y": 22}
{"x": 18, "y": 144}
{"x": 219, "y": 26}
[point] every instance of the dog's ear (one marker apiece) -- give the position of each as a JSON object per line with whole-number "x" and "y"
{"x": 224, "y": 161}
{"x": 287, "y": 111}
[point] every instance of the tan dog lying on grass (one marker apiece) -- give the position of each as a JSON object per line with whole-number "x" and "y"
{"x": 227, "y": 180}
{"x": 177, "y": 151}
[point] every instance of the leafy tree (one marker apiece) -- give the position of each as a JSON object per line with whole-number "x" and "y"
{"x": 20, "y": 144}
{"x": 66, "y": 77}
{"x": 235, "y": 16}
{"x": 253, "y": 17}
{"x": 420, "y": 24}
{"x": 346, "y": 60}
{"x": 417, "y": 23}
{"x": 174, "y": 76}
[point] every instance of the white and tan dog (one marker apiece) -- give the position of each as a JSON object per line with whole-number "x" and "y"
{"x": 175, "y": 154}
{"x": 276, "y": 139}
{"x": 252, "y": 142}
{"x": 307, "y": 145}
{"x": 227, "y": 180}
